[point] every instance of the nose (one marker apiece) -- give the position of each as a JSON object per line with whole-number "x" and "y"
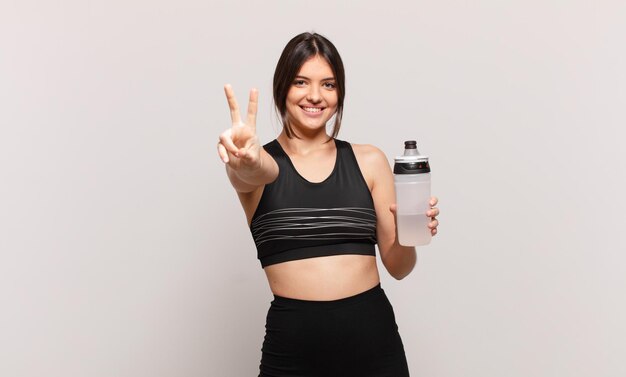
{"x": 314, "y": 95}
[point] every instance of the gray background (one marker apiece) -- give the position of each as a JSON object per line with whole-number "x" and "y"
{"x": 124, "y": 251}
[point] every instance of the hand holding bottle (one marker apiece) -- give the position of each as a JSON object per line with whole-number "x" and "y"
{"x": 432, "y": 213}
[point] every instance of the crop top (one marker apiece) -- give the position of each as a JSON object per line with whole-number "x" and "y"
{"x": 298, "y": 219}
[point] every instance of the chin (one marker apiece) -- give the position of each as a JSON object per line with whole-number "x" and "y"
{"x": 313, "y": 127}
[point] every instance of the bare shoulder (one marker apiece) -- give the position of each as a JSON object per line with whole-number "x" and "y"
{"x": 369, "y": 154}
{"x": 372, "y": 161}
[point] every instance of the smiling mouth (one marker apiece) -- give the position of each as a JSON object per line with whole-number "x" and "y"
{"x": 312, "y": 110}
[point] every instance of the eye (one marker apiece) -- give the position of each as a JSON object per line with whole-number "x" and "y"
{"x": 299, "y": 82}
{"x": 330, "y": 85}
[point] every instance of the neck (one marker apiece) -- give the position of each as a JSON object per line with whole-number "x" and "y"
{"x": 304, "y": 145}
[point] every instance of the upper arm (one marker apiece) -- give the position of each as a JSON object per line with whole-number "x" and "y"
{"x": 379, "y": 177}
{"x": 250, "y": 201}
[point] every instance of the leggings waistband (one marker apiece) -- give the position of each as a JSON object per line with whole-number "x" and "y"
{"x": 294, "y": 302}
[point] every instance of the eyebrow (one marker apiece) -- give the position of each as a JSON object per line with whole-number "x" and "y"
{"x": 304, "y": 77}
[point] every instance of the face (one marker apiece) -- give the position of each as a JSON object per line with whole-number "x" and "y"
{"x": 312, "y": 98}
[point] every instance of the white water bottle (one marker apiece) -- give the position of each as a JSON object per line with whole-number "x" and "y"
{"x": 412, "y": 181}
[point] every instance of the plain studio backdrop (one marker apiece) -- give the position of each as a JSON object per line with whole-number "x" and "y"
{"x": 123, "y": 248}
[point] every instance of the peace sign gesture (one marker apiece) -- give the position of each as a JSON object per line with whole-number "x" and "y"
{"x": 239, "y": 146}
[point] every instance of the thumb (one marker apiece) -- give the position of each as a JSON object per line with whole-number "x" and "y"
{"x": 244, "y": 154}
{"x": 247, "y": 155}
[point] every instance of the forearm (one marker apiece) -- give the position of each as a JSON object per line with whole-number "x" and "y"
{"x": 399, "y": 260}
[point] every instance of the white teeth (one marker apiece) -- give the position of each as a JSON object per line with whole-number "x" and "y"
{"x": 312, "y": 109}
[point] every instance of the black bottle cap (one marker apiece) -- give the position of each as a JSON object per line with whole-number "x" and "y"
{"x": 411, "y": 162}
{"x": 417, "y": 167}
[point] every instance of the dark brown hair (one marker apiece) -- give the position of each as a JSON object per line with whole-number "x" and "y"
{"x": 300, "y": 49}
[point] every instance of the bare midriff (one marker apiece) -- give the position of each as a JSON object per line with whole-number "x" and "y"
{"x": 323, "y": 278}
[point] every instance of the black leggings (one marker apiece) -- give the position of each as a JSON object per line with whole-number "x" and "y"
{"x": 354, "y": 336}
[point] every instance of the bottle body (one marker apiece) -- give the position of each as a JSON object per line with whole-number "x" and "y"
{"x": 413, "y": 201}
{"x": 412, "y": 181}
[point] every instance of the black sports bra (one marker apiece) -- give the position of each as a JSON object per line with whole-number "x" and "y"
{"x": 298, "y": 219}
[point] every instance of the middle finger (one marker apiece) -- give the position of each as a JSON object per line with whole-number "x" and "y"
{"x": 433, "y": 212}
{"x": 252, "y": 107}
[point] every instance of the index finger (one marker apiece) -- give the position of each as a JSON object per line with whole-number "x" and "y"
{"x": 253, "y": 104}
{"x": 232, "y": 104}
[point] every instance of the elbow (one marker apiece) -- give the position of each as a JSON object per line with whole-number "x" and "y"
{"x": 398, "y": 260}
{"x": 401, "y": 268}
{"x": 399, "y": 272}
{"x": 401, "y": 275}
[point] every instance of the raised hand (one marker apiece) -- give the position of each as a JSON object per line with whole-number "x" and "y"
{"x": 239, "y": 146}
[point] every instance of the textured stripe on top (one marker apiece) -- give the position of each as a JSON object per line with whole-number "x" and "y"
{"x": 314, "y": 224}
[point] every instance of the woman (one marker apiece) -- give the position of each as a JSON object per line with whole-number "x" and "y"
{"x": 316, "y": 206}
